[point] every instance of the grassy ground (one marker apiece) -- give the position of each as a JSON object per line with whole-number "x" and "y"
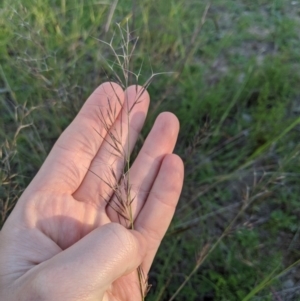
{"x": 235, "y": 88}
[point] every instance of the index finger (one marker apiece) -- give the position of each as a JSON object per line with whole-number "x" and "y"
{"x": 71, "y": 156}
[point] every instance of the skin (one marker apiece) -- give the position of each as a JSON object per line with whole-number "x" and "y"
{"x": 62, "y": 241}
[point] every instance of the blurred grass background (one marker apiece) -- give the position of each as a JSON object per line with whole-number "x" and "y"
{"x": 232, "y": 78}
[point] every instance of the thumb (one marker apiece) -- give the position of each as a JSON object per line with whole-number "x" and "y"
{"x": 85, "y": 270}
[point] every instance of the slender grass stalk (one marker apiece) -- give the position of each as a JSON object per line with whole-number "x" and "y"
{"x": 207, "y": 250}
{"x": 121, "y": 201}
{"x": 269, "y": 280}
{"x": 111, "y": 13}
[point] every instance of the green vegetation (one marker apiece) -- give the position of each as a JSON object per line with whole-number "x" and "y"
{"x": 232, "y": 76}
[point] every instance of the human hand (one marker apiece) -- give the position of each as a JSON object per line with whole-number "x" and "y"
{"x": 63, "y": 241}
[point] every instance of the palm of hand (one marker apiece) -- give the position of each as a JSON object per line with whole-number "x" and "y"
{"x": 52, "y": 230}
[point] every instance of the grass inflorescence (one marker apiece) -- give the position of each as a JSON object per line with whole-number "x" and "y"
{"x": 120, "y": 184}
